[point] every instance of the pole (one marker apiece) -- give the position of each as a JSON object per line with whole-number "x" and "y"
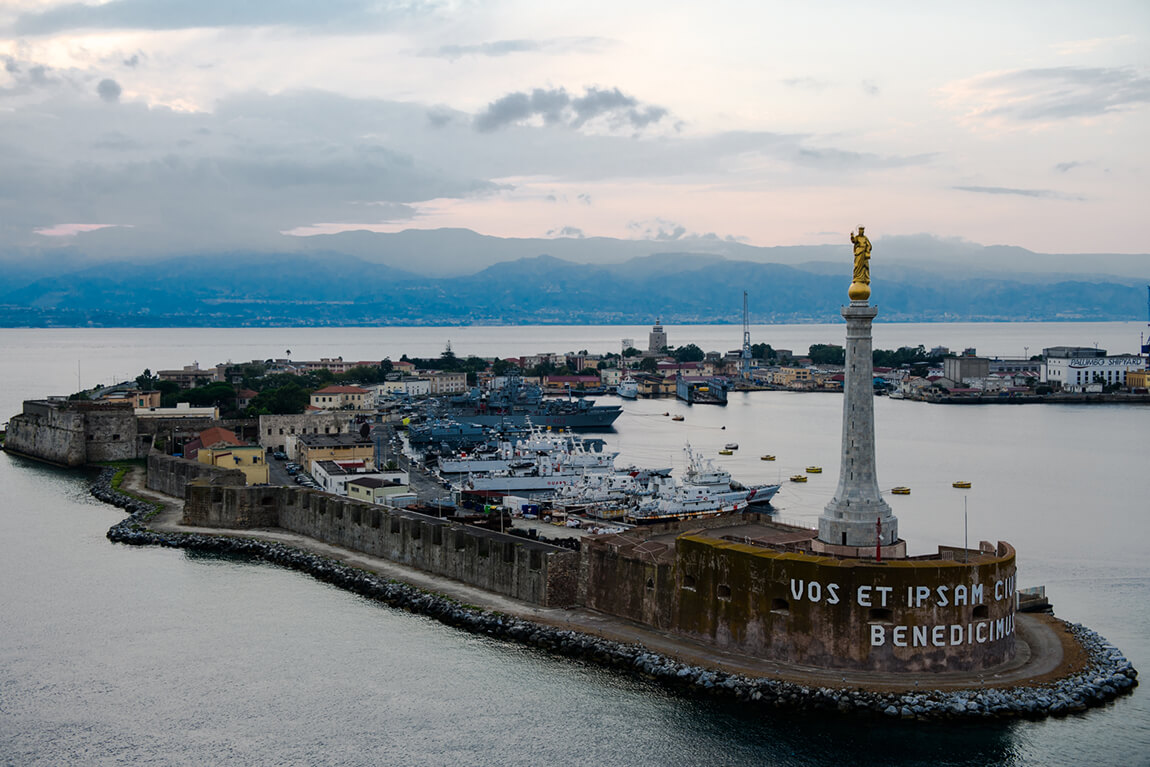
{"x": 878, "y": 540}
{"x": 965, "y": 529}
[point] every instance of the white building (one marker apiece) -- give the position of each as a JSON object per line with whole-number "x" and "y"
{"x": 1076, "y": 373}
{"x": 333, "y": 476}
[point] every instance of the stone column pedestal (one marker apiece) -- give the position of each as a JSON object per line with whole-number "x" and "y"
{"x": 852, "y": 519}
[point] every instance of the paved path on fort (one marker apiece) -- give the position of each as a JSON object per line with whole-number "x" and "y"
{"x": 1045, "y": 650}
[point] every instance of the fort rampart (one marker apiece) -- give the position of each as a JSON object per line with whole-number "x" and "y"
{"x": 531, "y": 571}
{"x": 74, "y": 433}
{"x": 170, "y": 475}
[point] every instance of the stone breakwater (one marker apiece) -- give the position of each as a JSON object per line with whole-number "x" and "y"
{"x": 1108, "y": 674}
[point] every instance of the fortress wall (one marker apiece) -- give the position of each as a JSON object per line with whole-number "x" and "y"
{"x": 170, "y": 475}
{"x": 504, "y": 564}
{"x": 73, "y": 433}
{"x": 903, "y": 615}
{"x": 629, "y": 586}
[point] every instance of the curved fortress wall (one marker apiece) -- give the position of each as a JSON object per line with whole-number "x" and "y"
{"x": 926, "y": 614}
{"x": 73, "y": 433}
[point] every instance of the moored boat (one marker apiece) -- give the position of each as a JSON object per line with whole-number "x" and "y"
{"x": 798, "y": 478}
{"x": 900, "y": 490}
{"x": 962, "y": 483}
{"x": 814, "y": 470}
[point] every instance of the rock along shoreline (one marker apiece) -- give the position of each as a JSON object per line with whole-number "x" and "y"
{"x": 1108, "y": 674}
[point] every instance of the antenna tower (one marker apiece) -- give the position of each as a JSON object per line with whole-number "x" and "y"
{"x": 746, "y": 360}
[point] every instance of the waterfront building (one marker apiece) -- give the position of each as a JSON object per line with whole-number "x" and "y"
{"x": 192, "y": 375}
{"x": 1079, "y": 372}
{"x": 441, "y": 382}
{"x": 966, "y": 368}
{"x": 219, "y": 447}
{"x": 334, "y": 476}
{"x": 657, "y": 339}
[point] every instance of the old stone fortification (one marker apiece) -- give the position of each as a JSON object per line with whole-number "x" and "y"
{"x": 274, "y": 430}
{"x": 75, "y": 433}
{"x": 170, "y": 475}
{"x": 936, "y": 613}
{"x": 503, "y": 564}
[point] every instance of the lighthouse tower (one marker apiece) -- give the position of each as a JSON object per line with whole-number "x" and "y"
{"x": 857, "y": 521}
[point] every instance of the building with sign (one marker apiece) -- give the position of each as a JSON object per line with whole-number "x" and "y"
{"x": 1077, "y": 373}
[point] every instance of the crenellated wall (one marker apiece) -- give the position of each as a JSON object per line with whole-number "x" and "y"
{"x": 504, "y": 564}
{"x": 170, "y": 475}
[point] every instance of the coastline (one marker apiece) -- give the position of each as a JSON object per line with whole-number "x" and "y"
{"x": 1066, "y": 668}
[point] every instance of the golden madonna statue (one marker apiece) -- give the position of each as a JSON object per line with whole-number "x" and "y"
{"x": 860, "y": 282}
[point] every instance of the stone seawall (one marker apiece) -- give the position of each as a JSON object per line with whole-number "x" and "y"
{"x": 170, "y": 475}
{"x": 527, "y": 570}
{"x": 1107, "y": 674}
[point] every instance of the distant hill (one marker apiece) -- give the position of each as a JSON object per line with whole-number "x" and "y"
{"x": 327, "y": 287}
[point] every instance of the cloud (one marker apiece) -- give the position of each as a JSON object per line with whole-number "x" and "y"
{"x": 497, "y": 48}
{"x": 869, "y": 88}
{"x": 133, "y": 61}
{"x": 567, "y": 231}
{"x": 555, "y": 107}
{"x": 109, "y": 90}
{"x": 348, "y": 15}
{"x": 71, "y": 230}
{"x": 1039, "y": 193}
{"x": 1063, "y": 167}
{"x": 806, "y": 83}
{"x": 1056, "y": 93}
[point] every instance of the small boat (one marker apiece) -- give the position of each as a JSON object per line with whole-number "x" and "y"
{"x": 766, "y": 458}
{"x": 676, "y": 418}
{"x": 799, "y": 478}
{"x": 900, "y": 490}
{"x": 731, "y": 446}
{"x": 962, "y": 483}
{"x": 725, "y": 451}
{"x": 814, "y": 470}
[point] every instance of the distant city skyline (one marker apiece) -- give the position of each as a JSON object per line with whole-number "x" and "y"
{"x": 205, "y": 124}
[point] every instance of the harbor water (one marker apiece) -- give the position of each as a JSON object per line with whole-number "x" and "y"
{"x": 119, "y": 655}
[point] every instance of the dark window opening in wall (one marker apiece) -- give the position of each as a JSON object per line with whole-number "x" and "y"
{"x": 356, "y": 516}
{"x": 437, "y": 535}
{"x": 268, "y": 500}
{"x": 338, "y": 512}
{"x": 281, "y": 431}
{"x": 780, "y": 606}
{"x": 270, "y": 431}
{"x": 508, "y": 553}
{"x": 115, "y": 437}
{"x": 416, "y": 531}
{"x": 460, "y": 540}
{"x": 395, "y": 525}
{"x": 376, "y": 519}
{"x": 536, "y": 562}
{"x": 650, "y": 584}
{"x": 981, "y": 612}
{"x": 880, "y": 615}
{"x": 484, "y": 547}
{"x": 689, "y": 582}
{"x": 723, "y": 591}
{"x": 844, "y": 539}
{"x": 91, "y": 437}
{"x": 327, "y": 430}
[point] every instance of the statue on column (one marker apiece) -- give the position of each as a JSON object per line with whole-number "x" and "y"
{"x": 860, "y": 282}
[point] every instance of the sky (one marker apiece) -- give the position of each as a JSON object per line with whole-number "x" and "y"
{"x": 220, "y": 124}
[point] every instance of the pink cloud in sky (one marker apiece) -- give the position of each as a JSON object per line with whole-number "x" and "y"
{"x": 71, "y": 230}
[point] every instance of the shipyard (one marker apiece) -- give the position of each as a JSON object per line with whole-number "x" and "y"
{"x": 699, "y": 566}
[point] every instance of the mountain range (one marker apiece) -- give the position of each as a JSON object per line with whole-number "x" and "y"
{"x": 451, "y": 276}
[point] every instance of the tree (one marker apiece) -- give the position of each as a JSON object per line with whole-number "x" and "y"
{"x": 146, "y": 381}
{"x": 385, "y": 368}
{"x": 631, "y": 351}
{"x": 763, "y": 352}
{"x": 689, "y": 353}
{"x": 503, "y": 367}
{"x": 827, "y": 354}
{"x": 289, "y": 399}
{"x": 649, "y": 364}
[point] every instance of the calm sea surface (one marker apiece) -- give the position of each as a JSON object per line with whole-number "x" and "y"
{"x": 113, "y": 655}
